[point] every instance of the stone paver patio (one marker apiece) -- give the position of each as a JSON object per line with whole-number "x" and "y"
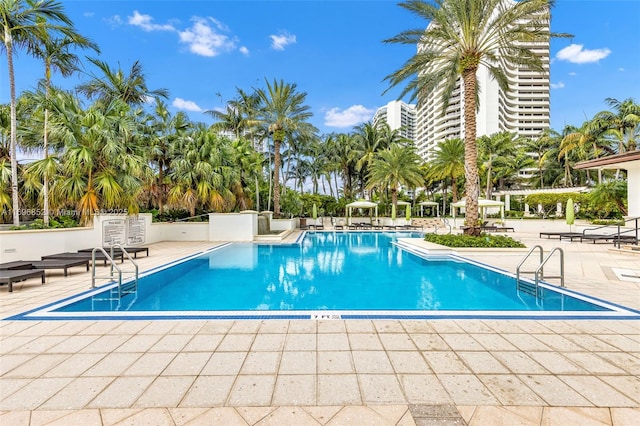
{"x": 333, "y": 372}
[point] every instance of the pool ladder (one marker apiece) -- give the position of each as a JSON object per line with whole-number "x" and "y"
{"x": 122, "y": 289}
{"x": 534, "y": 288}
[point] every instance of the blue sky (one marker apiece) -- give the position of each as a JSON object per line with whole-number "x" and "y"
{"x": 201, "y": 51}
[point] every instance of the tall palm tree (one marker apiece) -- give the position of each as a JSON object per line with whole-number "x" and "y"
{"x": 492, "y": 150}
{"x": 114, "y": 84}
{"x": 56, "y": 55}
{"x": 623, "y": 124}
{"x": 20, "y": 24}
{"x": 343, "y": 148}
{"x": 370, "y": 139}
{"x": 540, "y": 149}
{"x": 463, "y": 35}
{"x": 166, "y": 132}
{"x": 282, "y": 108}
{"x": 203, "y": 173}
{"x": 583, "y": 143}
{"x": 449, "y": 163}
{"x": 103, "y": 164}
{"x": 394, "y": 166}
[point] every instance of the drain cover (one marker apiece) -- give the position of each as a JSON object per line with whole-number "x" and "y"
{"x": 325, "y": 316}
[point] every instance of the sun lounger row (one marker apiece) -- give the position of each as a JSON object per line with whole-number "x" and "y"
{"x": 581, "y": 236}
{"x": 11, "y": 276}
{"x": 21, "y": 270}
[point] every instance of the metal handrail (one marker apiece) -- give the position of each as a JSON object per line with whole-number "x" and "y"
{"x": 446, "y": 222}
{"x": 111, "y": 262}
{"x": 113, "y": 266}
{"x": 524, "y": 259}
{"x": 538, "y": 273}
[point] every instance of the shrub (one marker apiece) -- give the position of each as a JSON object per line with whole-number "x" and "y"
{"x": 484, "y": 240}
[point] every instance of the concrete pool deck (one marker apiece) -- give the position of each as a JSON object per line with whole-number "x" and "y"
{"x": 334, "y": 372}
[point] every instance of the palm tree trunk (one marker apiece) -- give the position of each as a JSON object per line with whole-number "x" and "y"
{"x": 454, "y": 189}
{"x": 276, "y": 175}
{"x": 45, "y": 188}
{"x": 160, "y": 187}
{"x": 489, "y": 186}
{"x": 14, "y": 137}
{"x": 472, "y": 188}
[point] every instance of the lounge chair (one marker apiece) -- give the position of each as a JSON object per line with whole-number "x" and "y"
{"x": 116, "y": 251}
{"x": 63, "y": 264}
{"x": 83, "y": 255}
{"x": 561, "y": 235}
{"x": 10, "y": 276}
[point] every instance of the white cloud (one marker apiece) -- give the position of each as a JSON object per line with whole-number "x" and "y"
{"x": 558, "y": 85}
{"x": 204, "y": 40}
{"x": 244, "y": 50}
{"x": 114, "y": 20}
{"x": 621, "y": 69}
{"x": 186, "y": 105}
{"x": 279, "y": 41}
{"x": 572, "y": 74}
{"x": 576, "y": 54}
{"x": 88, "y": 14}
{"x": 144, "y": 22}
{"x": 349, "y": 117}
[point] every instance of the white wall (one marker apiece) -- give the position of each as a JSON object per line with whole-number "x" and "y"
{"x": 633, "y": 189}
{"x": 286, "y": 224}
{"x": 33, "y": 244}
{"x": 233, "y": 226}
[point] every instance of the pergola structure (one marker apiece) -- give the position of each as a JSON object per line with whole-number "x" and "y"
{"x": 429, "y": 204}
{"x": 629, "y": 161}
{"x": 482, "y": 204}
{"x": 361, "y": 204}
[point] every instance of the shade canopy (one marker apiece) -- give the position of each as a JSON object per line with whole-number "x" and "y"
{"x": 483, "y": 204}
{"x": 403, "y": 203}
{"x": 361, "y": 204}
{"x": 424, "y": 204}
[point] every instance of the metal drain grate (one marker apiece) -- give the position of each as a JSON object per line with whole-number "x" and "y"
{"x": 436, "y": 414}
{"x": 325, "y": 316}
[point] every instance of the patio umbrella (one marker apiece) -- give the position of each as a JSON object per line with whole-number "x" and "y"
{"x": 407, "y": 214}
{"x": 393, "y": 212}
{"x": 570, "y": 215}
{"x": 314, "y": 212}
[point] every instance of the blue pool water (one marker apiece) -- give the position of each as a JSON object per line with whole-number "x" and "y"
{"x": 329, "y": 271}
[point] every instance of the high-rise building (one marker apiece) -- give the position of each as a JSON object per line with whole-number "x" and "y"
{"x": 523, "y": 110}
{"x": 398, "y": 115}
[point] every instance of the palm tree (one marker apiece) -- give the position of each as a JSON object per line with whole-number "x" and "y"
{"x": 394, "y": 166}
{"x": 166, "y": 132}
{"x": 56, "y": 55}
{"x": 462, "y": 36}
{"x": 493, "y": 150}
{"x": 282, "y": 109}
{"x": 102, "y": 165}
{"x": 449, "y": 163}
{"x": 114, "y": 84}
{"x": 584, "y": 143}
{"x": 370, "y": 139}
{"x": 20, "y": 25}
{"x": 623, "y": 124}
{"x": 205, "y": 173}
{"x": 540, "y": 149}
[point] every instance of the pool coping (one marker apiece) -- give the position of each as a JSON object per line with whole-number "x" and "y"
{"x": 414, "y": 246}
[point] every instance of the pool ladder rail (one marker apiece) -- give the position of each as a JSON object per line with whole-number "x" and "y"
{"x": 534, "y": 288}
{"x": 123, "y": 289}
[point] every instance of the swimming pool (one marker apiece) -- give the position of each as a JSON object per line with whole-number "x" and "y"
{"x": 327, "y": 274}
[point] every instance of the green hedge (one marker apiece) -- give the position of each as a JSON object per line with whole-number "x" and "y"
{"x": 484, "y": 240}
